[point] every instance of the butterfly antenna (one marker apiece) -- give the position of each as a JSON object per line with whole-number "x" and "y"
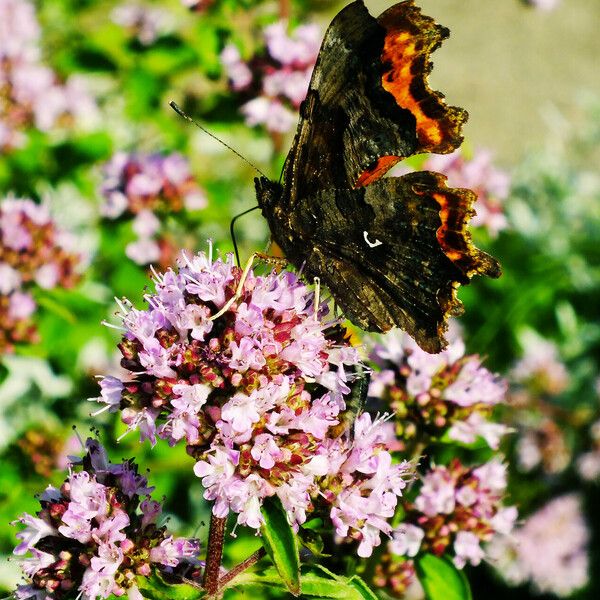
{"x": 232, "y": 232}
{"x": 187, "y": 117}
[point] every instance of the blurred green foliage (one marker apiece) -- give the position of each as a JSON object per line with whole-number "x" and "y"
{"x": 550, "y": 253}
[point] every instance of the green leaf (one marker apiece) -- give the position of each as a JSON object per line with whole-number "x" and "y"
{"x": 441, "y": 580}
{"x": 317, "y": 582}
{"x": 362, "y": 588}
{"x": 281, "y": 544}
{"x": 155, "y": 588}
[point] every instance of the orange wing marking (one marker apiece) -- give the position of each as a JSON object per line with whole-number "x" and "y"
{"x": 410, "y": 38}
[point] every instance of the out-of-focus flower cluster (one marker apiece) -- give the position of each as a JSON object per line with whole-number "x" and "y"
{"x": 198, "y": 5}
{"x": 544, "y": 5}
{"x": 480, "y": 175}
{"x": 537, "y": 377}
{"x": 549, "y": 550}
{"x": 397, "y": 577}
{"x": 275, "y": 81}
{"x": 146, "y": 23}
{"x": 98, "y": 534}
{"x": 457, "y": 509}
{"x": 33, "y": 252}
{"x": 31, "y": 94}
{"x": 540, "y": 368}
{"x": 46, "y": 450}
{"x": 144, "y": 186}
{"x": 588, "y": 463}
{"x": 255, "y": 386}
{"x": 435, "y": 394}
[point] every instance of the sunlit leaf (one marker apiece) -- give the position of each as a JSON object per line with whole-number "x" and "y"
{"x": 441, "y": 580}
{"x": 281, "y": 544}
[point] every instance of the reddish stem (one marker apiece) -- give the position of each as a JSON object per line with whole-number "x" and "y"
{"x": 246, "y": 564}
{"x": 285, "y": 9}
{"x": 214, "y": 554}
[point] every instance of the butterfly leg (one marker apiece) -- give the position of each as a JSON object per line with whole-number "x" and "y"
{"x": 282, "y": 262}
{"x": 317, "y": 281}
{"x": 238, "y": 291}
{"x": 277, "y": 261}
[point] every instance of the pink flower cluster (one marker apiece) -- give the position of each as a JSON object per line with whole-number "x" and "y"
{"x": 30, "y": 92}
{"x": 480, "y": 175}
{"x": 432, "y": 395}
{"x": 540, "y": 368}
{"x": 33, "y": 251}
{"x": 457, "y": 508}
{"x": 255, "y": 385}
{"x": 363, "y": 483}
{"x": 550, "y": 550}
{"x": 145, "y": 184}
{"x": 541, "y": 425}
{"x": 89, "y": 539}
{"x": 274, "y": 82}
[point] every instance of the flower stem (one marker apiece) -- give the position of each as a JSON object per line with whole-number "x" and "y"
{"x": 246, "y": 564}
{"x": 284, "y": 9}
{"x": 214, "y": 554}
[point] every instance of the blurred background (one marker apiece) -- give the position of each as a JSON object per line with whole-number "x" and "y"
{"x": 99, "y": 178}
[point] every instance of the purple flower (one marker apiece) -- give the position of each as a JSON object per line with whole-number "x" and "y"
{"x": 146, "y": 23}
{"x": 32, "y": 94}
{"x": 94, "y": 515}
{"x": 240, "y": 75}
{"x": 256, "y": 394}
{"x": 540, "y": 368}
{"x": 436, "y": 394}
{"x": 172, "y": 551}
{"x": 35, "y": 531}
{"x": 476, "y": 426}
{"x": 299, "y": 48}
{"x": 437, "y": 493}
{"x": 34, "y": 253}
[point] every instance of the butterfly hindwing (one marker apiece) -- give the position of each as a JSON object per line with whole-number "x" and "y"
{"x": 386, "y": 256}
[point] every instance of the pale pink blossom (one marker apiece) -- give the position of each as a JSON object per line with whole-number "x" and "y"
{"x": 467, "y": 549}
{"x": 406, "y": 540}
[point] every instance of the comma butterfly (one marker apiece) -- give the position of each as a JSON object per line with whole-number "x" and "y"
{"x": 394, "y": 250}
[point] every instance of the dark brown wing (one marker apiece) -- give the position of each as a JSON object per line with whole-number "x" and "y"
{"x": 368, "y": 103}
{"x": 394, "y": 253}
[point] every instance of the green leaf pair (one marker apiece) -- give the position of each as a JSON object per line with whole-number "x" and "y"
{"x": 281, "y": 544}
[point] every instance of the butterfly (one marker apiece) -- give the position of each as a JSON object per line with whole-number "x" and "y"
{"x": 393, "y": 250}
